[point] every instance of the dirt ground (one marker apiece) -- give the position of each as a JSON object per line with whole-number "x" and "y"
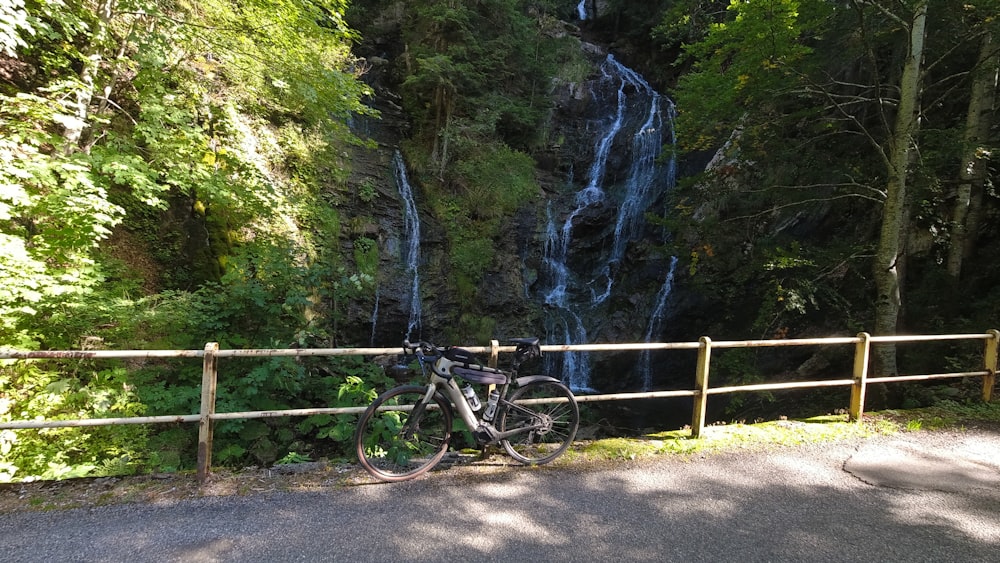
{"x": 172, "y": 487}
{"x": 169, "y": 488}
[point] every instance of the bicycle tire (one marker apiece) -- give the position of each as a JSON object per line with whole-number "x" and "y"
{"x": 559, "y": 421}
{"x": 391, "y": 446}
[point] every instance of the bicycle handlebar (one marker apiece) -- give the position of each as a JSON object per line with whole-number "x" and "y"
{"x": 421, "y": 349}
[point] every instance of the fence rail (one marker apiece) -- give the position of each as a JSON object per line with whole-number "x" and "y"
{"x": 210, "y": 355}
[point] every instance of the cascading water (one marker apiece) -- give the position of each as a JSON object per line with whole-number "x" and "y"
{"x": 635, "y": 109}
{"x": 564, "y": 324}
{"x": 411, "y": 255}
{"x": 656, "y": 325}
{"x": 374, "y": 317}
{"x": 642, "y": 181}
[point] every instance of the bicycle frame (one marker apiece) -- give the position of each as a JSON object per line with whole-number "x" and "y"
{"x": 396, "y": 447}
{"x": 442, "y": 380}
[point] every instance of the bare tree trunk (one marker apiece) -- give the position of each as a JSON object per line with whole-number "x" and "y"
{"x": 889, "y": 252}
{"x": 972, "y": 172}
{"x": 73, "y": 128}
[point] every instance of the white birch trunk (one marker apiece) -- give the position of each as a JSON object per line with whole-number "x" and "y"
{"x": 972, "y": 171}
{"x": 74, "y": 127}
{"x": 889, "y": 252}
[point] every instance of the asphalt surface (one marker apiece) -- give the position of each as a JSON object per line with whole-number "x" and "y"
{"x": 925, "y": 496}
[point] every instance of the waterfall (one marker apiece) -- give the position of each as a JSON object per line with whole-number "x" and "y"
{"x": 374, "y": 317}
{"x": 565, "y": 325}
{"x": 647, "y": 141}
{"x": 656, "y": 325}
{"x": 411, "y": 255}
{"x": 637, "y": 110}
{"x": 581, "y": 10}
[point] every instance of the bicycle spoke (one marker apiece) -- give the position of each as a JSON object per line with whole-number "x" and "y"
{"x": 397, "y": 439}
{"x": 549, "y": 427}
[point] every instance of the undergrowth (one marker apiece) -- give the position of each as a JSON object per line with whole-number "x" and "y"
{"x": 738, "y": 435}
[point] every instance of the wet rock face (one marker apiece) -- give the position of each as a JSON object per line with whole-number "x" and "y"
{"x": 511, "y": 294}
{"x": 612, "y": 268}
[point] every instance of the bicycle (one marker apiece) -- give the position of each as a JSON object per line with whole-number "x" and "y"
{"x": 406, "y": 430}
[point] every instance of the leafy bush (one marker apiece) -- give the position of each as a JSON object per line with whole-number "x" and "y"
{"x": 59, "y": 392}
{"x": 496, "y": 180}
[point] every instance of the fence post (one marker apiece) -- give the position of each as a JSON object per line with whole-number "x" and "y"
{"x": 701, "y": 384}
{"x": 209, "y": 379}
{"x": 990, "y": 364}
{"x": 494, "y": 353}
{"x": 862, "y": 350}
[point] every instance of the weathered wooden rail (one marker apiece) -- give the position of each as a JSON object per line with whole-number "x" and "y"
{"x": 211, "y": 354}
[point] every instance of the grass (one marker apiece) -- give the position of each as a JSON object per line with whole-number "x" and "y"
{"x": 738, "y": 435}
{"x": 722, "y": 437}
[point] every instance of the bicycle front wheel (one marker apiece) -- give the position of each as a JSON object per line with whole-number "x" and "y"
{"x": 549, "y": 418}
{"x": 398, "y": 438}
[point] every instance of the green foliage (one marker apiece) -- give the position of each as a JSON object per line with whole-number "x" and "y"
{"x": 475, "y": 79}
{"x": 743, "y": 64}
{"x": 366, "y": 256}
{"x": 495, "y": 181}
{"x": 148, "y": 117}
{"x": 481, "y": 71}
{"x": 288, "y": 57}
{"x": 780, "y": 85}
{"x": 215, "y": 121}
{"x": 14, "y": 22}
{"x": 476, "y": 327}
{"x": 491, "y": 184}
{"x": 292, "y": 458}
{"x": 357, "y": 384}
{"x": 41, "y": 390}
{"x": 367, "y": 192}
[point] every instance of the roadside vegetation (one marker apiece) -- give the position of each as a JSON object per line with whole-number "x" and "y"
{"x": 722, "y": 437}
{"x": 296, "y": 472}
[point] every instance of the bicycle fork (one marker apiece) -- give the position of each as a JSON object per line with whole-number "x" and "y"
{"x": 413, "y": 421}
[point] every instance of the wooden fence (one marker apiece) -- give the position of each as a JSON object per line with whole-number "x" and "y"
{"x": 858, "y": 382}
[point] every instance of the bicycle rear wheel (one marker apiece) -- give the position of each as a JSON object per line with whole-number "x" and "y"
{"x": 554, "y": 422}
{"x": 396, "y": 441}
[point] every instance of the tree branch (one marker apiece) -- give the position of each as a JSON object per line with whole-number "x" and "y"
{"x": 820, "y": 90}
{"x": 803, "y": 202}
{"x": 851, "y": 183}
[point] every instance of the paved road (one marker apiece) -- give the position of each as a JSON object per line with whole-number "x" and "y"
{"x": 839, "y": 502}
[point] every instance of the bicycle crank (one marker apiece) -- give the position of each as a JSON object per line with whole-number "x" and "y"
{"x": 486, "y": 434}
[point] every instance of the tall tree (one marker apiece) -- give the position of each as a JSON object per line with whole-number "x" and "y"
{"x": 801, "y": 81}
{"x": 901, "y": 146}
{"x": 972, "y": 171}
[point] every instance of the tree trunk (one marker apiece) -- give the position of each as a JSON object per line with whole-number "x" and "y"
{"x": 903, "y": 140}
{"x": 73, "y": 128}
{"x": 972, "y": 171}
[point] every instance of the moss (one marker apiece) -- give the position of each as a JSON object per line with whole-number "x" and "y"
{"x": 619, "y": 448}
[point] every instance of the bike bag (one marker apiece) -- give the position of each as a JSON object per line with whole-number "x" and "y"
{"x": 473, "y": 370}
{"x": 481, "y": 374}
{"x": 462, "y": 356}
